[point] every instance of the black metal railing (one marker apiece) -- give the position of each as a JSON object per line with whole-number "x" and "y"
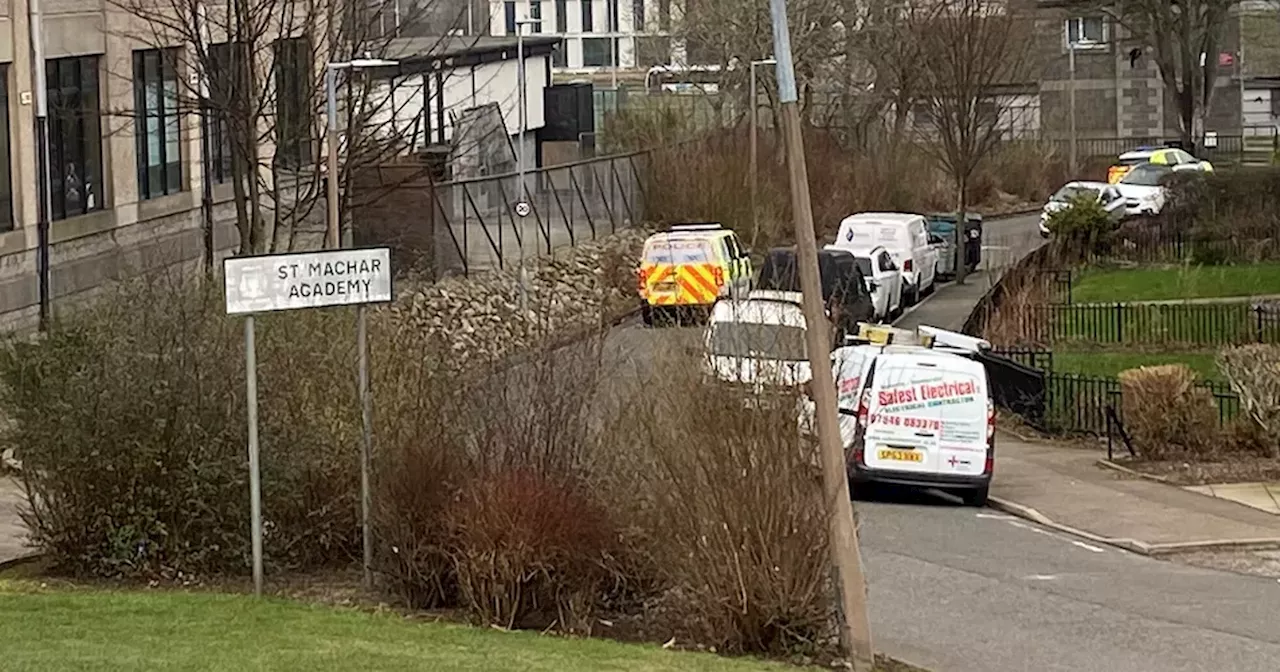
{"x": 1204, "y": 324}
{"x": 1078, "y": 403}
{"x": 1028, "y": 356}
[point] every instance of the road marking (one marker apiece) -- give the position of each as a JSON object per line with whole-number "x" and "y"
{"x": 1041, "y": 577}
{"x": 995, "y": 516}
{"x": 1037, "y": 530}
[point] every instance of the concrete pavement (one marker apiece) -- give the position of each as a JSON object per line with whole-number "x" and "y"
{"x": 1066, "y": 486}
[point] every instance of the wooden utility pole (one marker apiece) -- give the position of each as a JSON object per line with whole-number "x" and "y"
{"x": 855, "y": 625}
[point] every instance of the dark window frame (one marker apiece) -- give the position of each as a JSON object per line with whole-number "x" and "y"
{"x": 608, "y": 61}
{"x": 588, "y": 18}
{"x": 294, "y": 80}
{"x": 156, "y": 117}
{"x": 637, "y": 16}
{"x": 76, "y": 166}
{"x": 535, "y": 15}
{"x": 224, "y": 89}
{"x": 611, "y": 15}
{"x": 562, "y": 16}
{"x": 509, "y": 17}
{"x": 6, "y": 156}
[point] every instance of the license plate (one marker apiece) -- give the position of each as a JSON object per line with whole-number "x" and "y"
{"x": 901, "y": 455}
{"x": 664, "y": 287}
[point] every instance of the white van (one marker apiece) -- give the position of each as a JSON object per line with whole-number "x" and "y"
{"x": 924, "y": 418}
{"x": 905, "y": 236}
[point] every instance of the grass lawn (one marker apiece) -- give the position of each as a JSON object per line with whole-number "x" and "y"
{"x": 1172, "y": 283}
{"x": 81, "y": 629}
{"x": 1110, "y": 364}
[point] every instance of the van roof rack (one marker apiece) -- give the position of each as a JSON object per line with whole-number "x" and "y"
{"x": 923, "y": 337}
{"x": 697, "y": 226}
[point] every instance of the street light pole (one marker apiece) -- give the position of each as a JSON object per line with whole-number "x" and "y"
{"x": 1071, "y": 66}
{"x": 521, "y": 192}
{"x": 332, "y": 239}
{"x": 44, "y": 204}
{"x": 755, "y": 225}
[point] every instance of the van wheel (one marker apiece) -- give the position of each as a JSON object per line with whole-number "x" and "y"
{"x": 646, "y": 314}
{"x": 976, "y": 497}
{"x": 914, "y": 294}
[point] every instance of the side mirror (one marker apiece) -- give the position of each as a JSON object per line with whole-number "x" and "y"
{"x": 935, "y": 240}
{"x": 873, "y": 285}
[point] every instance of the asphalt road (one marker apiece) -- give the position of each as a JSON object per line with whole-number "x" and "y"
{"x": 956, "y": 589}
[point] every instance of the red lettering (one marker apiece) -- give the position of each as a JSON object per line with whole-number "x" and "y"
{"x": 904, "y": 395}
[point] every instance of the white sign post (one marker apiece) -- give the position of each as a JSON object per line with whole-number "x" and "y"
{"x": 273, "y": 283}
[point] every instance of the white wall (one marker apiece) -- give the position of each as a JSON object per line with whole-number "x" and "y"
{"x": 464, "y": 88}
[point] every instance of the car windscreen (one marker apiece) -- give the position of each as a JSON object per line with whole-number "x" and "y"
{"x": 757, "y": 341}
{"x": 1133, "y": 161}
{"x": 678, "y": 252}
{"x": 1148, "y": 175}
{"x": 864, "y": 265}
{"x": 1071, "y": 192}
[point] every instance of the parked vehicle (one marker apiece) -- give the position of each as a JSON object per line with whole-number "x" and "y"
{"x": 883, "y": 280}
{"x": 758, "y": 341}
{"x": 924, "y": 418}
{"x": 845, "y": 290}
{"x": 1106, "y": 195}
{"x": 1143, "y": 190}
{"x": 689, "y": 268}
{"x": 904, "y": 236}
{"x": 1172, "y": 157}
{"x": 943, "y": 227}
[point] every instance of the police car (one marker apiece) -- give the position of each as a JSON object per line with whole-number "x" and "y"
{"x": 1174, "y": 158}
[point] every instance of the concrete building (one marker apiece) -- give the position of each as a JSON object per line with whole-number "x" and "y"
{"x": 599, "y": 35}
{"x": 1118, "y": 89}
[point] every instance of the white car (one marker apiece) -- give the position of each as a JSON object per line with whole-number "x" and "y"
{"x": 1142, "y": 190}
{"x": 1108, "y": 196}
{"x": 758, "y": 342}
{"x": 904, "y": 236}
{"x": 884, "y": 281}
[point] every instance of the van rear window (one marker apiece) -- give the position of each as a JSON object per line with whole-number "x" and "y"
{"x": 678, "y": 252}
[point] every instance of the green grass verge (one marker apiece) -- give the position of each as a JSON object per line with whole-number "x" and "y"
{"x": 1173, "y": 283}
{"x": 50, "y": 630}
{"x": 1110, "y": 364}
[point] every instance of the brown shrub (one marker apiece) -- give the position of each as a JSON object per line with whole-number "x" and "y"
{"x": 1254, "y": 372}
{"x": 1166, "y": 414}
{"x": 728, "y": 499}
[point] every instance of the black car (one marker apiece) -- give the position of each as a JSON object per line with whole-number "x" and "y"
{"x": 844, "y": 288}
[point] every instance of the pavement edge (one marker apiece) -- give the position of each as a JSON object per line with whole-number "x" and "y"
{"x": 1133, "y": 545}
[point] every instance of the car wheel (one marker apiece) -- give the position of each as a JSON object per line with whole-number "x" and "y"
{"x": 976, "y": 497}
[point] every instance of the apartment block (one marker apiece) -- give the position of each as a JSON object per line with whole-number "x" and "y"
{"x": 599, "y": 35}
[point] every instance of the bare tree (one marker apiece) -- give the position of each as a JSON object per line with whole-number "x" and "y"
{"x": 967, "y": 54}
{"x": 253, "y": 73}
{"x": 1185, "y": 37}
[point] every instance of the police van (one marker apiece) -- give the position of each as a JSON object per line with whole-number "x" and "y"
{"x": 916, "y": 410}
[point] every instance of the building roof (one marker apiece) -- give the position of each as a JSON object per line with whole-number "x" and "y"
{"x": 428, "y": 54}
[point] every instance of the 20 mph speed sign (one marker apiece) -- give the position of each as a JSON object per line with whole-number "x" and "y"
{"x": 523, "y": 209}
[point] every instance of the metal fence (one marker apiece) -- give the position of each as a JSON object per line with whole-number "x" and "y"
{"x": 1078, "y": 403}
{"x": 1208, "y": 324}
{"x": 1229, "y": 149}
{"x": 488, "y": 223}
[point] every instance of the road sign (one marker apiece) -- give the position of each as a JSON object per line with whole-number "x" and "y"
{"x": 270, "y": 283}
{"x": 523, "y": 209}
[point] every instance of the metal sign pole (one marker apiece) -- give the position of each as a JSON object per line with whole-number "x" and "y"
{"x": 255, "y": 481}
{"x": 366, "y": 446}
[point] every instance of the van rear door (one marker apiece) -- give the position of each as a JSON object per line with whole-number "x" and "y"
{"x": 927, "y": 414}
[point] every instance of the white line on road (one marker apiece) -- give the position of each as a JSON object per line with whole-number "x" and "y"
{"x": 1037, "y": 530}
{"x": 995, "y": 516}
{"x": 1041, "y": 577}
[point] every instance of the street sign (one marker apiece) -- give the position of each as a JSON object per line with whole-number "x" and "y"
{"x": 523, "y": 209}
{"x": 270, "y": 283}
{"x": 275, "y": 282}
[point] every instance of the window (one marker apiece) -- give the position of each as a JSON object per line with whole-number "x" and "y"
{"x": 562, "y": 16}
{"x": 75, "y": 137}
{"x": 664, "y": 15}
{"x": 509, "y": 12}
{"x": 597, "y": 51}
{"x": 1087, "y": 32}
{"x": 611, "y": 11}
{"x": 293, "y": 79}
{"x": 224, "y": 90}
{"x": 6, "y": 180}
{"x": 155, "y": 123}
{"x": 535, "y": 13}
{"x": 637, "y": 15}
{"x": 559, "y": 57}
{"x": 886, "y": 264}
{"x": 587, "y": 18}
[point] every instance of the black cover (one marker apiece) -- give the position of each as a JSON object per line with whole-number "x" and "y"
{"x": 842, "y": 282}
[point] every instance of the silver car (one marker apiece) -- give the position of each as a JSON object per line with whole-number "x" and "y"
{"x": 1107, "y": 195}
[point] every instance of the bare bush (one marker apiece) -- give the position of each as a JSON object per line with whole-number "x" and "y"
{"x": 1167, "y": 414}
{"x": 1254, "y": 372}
{"x": 728, "y": 496}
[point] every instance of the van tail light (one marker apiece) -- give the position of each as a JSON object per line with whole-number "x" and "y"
{"x": 864, "y": 407}
{"x": 991, "y": 422}
{"x": 859, "y": 454}
{"x": 989, "y": 466}
{"x": 718, "y": 273}
{"x": 642, "y": 278}
{"x": 906, "y": 266}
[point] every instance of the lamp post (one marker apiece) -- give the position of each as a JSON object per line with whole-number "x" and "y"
{"x": 332, "y": 239}
{"x": 521, "y": 192}
{"x": 754, "y": 109}
{"x": 1072, "y": 46}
